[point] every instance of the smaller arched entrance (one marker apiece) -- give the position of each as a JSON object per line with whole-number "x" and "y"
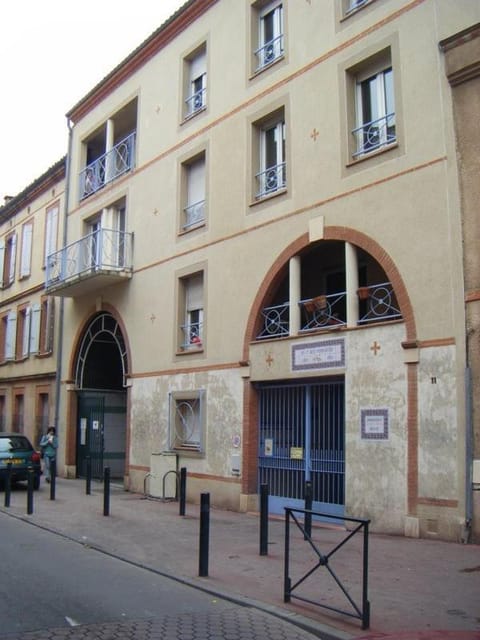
{"x": 100, "y": 372}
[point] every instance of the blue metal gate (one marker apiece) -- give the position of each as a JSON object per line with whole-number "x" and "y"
{"x": 302, "y": 438}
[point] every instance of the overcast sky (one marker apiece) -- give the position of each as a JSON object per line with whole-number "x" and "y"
{"x": 52, "y": 52}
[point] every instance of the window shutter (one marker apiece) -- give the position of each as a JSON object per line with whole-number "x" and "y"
{"x": 2, "y": 262}
{"x": 35, "y": 328}
{"x": 50, "y": 324}
{"x": 10, "y": 335}
{"x": 26, "y": 332}
{"x": 194, "y": 293}
{"x": 196, "y": 182}
{"x": 25, "y": 260}
{"x": 198, "y": 66}
{"x": 13, "y": 256}
{"x": 51, "y": 232}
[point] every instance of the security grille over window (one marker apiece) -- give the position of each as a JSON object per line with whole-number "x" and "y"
{"x": 186, "y": 420}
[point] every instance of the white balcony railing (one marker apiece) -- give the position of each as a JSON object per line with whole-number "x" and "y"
{"x": 103, "y": 251}
{"x": 375, "y": 134}
{"x": 269, "y": 52}
{"x": 193, "y": 214}
{"x": 108, "y": 167}
{"x": 271, "y": 180}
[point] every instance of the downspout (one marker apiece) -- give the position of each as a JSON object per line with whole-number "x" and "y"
{"x": 58, "y": 377}
{"x": 468, "y": 456}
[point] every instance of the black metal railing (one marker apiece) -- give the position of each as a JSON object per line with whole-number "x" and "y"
{"x": 360, "y": 611}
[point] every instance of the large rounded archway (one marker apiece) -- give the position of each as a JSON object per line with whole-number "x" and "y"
{"x": 101, "y": 367}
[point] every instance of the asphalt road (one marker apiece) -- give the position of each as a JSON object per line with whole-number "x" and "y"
{"x": 49, "y": 581}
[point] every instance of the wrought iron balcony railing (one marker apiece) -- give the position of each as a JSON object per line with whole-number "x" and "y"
{"x": 271, "y": 180}
{"x": 192, "y": 335}
{"x": 375, "y": 134}
{"x": 379, "y": 303}
{"x": 193, "y": 214}
{"x": 275, "y": 321}
{"x": 269, "y": 52}
{"x": 196, "y": 101}
{"x": 111, "y": 165}
{"x": 103, "y": 251}
{"x": 323, "y": 312}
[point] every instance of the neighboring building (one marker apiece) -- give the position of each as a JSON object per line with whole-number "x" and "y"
{"x": 30, "y": 228}
{"x": 263, "y": 276}
{"x": 462, "y": 61}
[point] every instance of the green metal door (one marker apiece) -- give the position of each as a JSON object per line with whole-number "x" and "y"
{"x": 90, "y": 435}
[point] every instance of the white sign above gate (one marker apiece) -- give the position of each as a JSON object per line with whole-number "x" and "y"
{"x": 327, "y": 354}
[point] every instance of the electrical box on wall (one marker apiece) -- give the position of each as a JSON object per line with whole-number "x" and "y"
{"x": 235, "y": 463}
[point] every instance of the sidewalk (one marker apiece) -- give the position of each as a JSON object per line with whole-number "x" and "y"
{"x": 414, "y": 585}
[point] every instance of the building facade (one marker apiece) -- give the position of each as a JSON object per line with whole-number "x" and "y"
{"x": 462, "y": 67}
{"x": 30, "y": 228}
{"x": 262, "y": 275}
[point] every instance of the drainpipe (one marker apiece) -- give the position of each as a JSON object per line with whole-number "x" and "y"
{"x": 468, "y": 456}
{"x": 58, "y": 377}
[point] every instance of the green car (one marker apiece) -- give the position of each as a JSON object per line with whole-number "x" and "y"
{"x": 17, "y": 450}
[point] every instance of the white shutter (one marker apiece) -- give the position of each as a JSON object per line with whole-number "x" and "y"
{"x": 10, "y": 335}
{"x": 198, "y": 66}
{"x": 13, "y": 257}
{"x": 26, "y": 332}
{"x": 196, "y": 182}
{"x": 194, "y": 293}
{"x": 25, "y": 260}
{"x": 2, "y": 261}
{"x": 51, "y": 232}
{"x": 35, "y": 328}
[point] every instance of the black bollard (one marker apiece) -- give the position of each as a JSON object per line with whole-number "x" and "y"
{"x": 106, "y": 491}
{"x": 88, "y": 483}
{"x": 8, "y": 484}
{"x": 183, "y": 490}
{"x": 264, "y": 519}
{"x": 53, "y": 478}
{"x": 204, "y": 534}
{"x": 308, "y": 507}
{"x": 30, "y": 491}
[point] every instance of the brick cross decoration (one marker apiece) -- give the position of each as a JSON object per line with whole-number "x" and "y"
{"x": 314, "y": 135}
{"x": 269, "y": 359}
{"x": 375, "y": 347}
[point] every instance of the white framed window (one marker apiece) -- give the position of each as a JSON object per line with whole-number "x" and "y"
{"x": 26, "y": 253}
{"x": 192, "y": 326}
{"x": 187, "y": 420}
{"x": 51, "y": 231}
{"x": 195, "y": 184}
{"x": 23, "y": 332}
{"x": 35, "y": 314}
{"x": 196, "y": 93}
{"x": 271, "y": 176}
{"x": 375, "y": 112}
{"x": 270, "y": 35}
{"x": 351, "y": 5}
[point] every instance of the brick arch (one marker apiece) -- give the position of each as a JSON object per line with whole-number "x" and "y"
{"x": 91, "y": 313}
{"x": 346, "y": 234}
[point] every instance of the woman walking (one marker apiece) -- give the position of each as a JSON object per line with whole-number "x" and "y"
{"x": 49, "y": 444}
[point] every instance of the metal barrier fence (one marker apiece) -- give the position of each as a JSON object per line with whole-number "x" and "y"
{"x": 360, "y": 611}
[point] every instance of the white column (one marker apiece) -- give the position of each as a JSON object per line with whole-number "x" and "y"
{"x": 351, "y": 279}
{"x": 109, "y": 138}
{"x": 295, "y": 293}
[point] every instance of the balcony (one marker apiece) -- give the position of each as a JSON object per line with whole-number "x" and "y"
{"x": 374, "y": 135}
{"x": 269, "y": 52}
{"x": 98, "y": 260}
{"x": 376, "y": 303}
{"x": 271, "y": 180}
{"x": 108, "y": 167}
{"x": 193, "y": 215}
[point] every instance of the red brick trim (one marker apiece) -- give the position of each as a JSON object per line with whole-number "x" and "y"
{"x": 473, "y": 296}
{"x": 436, "y": 342}
{"x": 438, "y": 502}
{"x": 412, "y": 438}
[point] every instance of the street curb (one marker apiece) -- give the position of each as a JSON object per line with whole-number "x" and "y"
{"x": 318, "y": 629}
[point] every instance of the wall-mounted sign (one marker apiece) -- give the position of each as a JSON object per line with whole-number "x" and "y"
{"x": 268, "y": 447}
{"x": 374, "y": 424}
{"x": 95, "y": 425}
{"x": 296, "y": 453}
{"x": 326, "y": 354}
{"x": 83, "y": 431}
{"x": 236, "y": 440}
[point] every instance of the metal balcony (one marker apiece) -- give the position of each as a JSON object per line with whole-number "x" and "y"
{"x": 374, "y": 135}
{"x": 98, "y": 260}
{"x": 111, "y": 165}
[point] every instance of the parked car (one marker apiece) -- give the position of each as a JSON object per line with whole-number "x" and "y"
{"x": 17, "y": 450}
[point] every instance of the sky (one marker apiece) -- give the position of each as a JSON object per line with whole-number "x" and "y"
{"x": 52, "y": 52}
